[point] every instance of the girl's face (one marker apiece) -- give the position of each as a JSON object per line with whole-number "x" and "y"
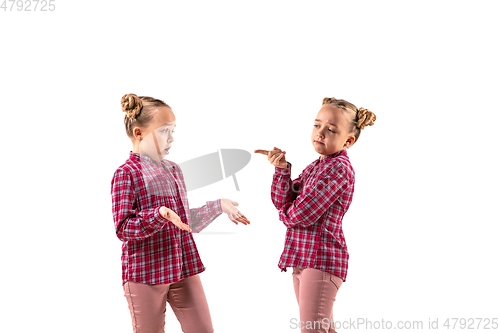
{"x": 331, "y": 130}
{"x": 157, "y": 137}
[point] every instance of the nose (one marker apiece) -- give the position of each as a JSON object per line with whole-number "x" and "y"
{"x": 170, "y": 138}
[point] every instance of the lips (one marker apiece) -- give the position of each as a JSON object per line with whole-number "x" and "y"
{"x": 321, "y": 143}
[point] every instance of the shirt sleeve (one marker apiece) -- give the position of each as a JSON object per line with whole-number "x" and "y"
{"x": 201, "y": 217}
{"x": 131, "y": 224}
{"x": 313, "y": 200}
{"x": 283, "y": 189}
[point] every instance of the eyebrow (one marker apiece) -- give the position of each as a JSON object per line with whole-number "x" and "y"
{"x": 329, "y": 123}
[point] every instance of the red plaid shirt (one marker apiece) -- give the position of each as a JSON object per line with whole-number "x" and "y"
{"x": 154, "y": 250}
{"x": 312, "y": 207}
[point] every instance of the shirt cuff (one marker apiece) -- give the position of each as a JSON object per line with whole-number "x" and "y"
{"x": 216, "y": 206}
{"x": 160, "y": 218}
{"x": 286, "y": 171}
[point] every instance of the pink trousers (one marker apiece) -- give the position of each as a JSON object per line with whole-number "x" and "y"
{"x": 148, "y": 304}
{"x": 315, "y": 291}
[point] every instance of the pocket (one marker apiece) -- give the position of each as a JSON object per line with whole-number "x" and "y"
{"x": 337, "y": 281}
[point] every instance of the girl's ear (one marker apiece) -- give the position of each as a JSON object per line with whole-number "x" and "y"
{"x": 137, "y": 133}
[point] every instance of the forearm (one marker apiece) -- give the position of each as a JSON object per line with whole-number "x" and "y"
{"x": 282, "y": 189}
{"x": 293, "y": 215}
{"x": 132, "y": 226}
{"x": 313, "y": 201}
{"x": 201, "y": 217}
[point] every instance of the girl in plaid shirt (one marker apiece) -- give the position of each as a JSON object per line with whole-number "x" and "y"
{"x": 312, "y": 207}
{"x": 160, "y": 262}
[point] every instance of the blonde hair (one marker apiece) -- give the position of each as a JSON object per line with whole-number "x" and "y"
{"x": 360, "y": 118}
{"x": 140, "y": 111}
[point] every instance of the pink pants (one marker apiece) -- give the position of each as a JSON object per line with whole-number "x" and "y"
{"x": 315, "y": 291}
{"x": 148, "y": 303}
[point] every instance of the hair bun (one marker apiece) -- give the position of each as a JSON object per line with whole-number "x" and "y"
{"x": 365, "y": 118}
{"x": 131, "y": 105}
{"x": 328, "y": 100}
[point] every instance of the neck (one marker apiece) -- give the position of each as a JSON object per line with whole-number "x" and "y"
{"x": 136, "y": 150}
{"x": 135, "y": 147}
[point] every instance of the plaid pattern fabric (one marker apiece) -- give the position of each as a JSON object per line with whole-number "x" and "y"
{"x": 154, "y": 250}
{"x": 312, "y": 207}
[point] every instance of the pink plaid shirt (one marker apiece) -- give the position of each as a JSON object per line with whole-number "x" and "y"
{"x": 154, "y": 250}
{"x": 312, "y": 207}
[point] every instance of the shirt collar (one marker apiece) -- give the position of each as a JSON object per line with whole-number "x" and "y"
{"x": 336, "y": 154}
{"x": 142, "y": 158}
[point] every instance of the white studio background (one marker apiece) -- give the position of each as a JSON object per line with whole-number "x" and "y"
{"x": 422, "y": 230}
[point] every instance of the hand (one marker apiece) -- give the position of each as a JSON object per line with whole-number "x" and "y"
{"x": 170, "y": 215}
{"x": 229, "y": 207}
{"x": 275, "y": 156}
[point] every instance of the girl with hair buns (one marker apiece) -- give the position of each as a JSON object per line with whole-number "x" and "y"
{"x": 312, "y": 207}
{"x": 160, "y": 261}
